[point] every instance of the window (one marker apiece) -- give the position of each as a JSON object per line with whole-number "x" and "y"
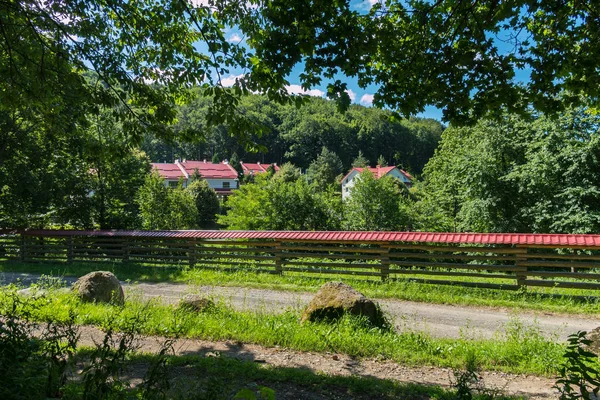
{"x": 173, "y": 184}
{"x": 226, "y": 185}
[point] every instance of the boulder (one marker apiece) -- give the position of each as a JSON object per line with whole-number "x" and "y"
{"x": 335, "y": 299}
{"x": 594, "y": 337}
{"x": 197, "y": 303}
{"x": 100, "y": 287}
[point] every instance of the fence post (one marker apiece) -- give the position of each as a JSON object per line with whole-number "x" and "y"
{"x": 23, "y": 247}
{"x": 522, "y": 272}
{"x": 192, "y": 252}
{"x": 278, "y": 260}
{"x": 385, "y": 263}
{"x": 125, "y": 249}
{"x": 70, "y": 249}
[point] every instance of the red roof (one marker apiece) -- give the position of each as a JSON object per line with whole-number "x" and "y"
{"x": 378, "y": 171}
{"x": 209, "y": 170}
{"x": 250, "y": 168}
{"x": 168, "y": 170}
{"x": 558, "y": 240}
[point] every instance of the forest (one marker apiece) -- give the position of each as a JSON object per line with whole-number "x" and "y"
{"x": 509, "y": 174}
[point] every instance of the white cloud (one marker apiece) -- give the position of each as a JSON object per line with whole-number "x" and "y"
{"x": 230, "y": 80}
{"x": 351, "y": 94}
{"x": 297, "y": 89}
{"x": 366, "y": 99}
{"x": 235, "y": 38}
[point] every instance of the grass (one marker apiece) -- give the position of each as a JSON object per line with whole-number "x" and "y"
{"x": 221, "y": 377}
{"x": 519, "y": 350}
{"x": 568, "y": 301}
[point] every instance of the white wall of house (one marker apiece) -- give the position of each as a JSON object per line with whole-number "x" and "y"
{"x": 222, "y": 183}
{"x": 348, "y": 184}
{"x": 213, "y": 183}
{"x": 399, "y": 175}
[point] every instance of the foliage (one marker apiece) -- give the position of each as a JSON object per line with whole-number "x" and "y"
{"x": 324, "y": 170}
{"x": 298, "y": 135}
{"x": 287, "y": 173}
{"x": 382, "y": 162}
{"x": 284, "y": 202}
{"x": 517, "y": 175}
{"x": 163, "y": 208}
{"x": 579, "y": 377}
{"x": 516, "y": 351}
{"x": 462, "y": 58}
{"x": 206, "y": 200}
{"x": 375, "y": 204}
{"x": 247, "y": 206}
{"x": 360, "y": 161}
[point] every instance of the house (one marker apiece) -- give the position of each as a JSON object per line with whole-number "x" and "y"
{"x": 222, "y": 177}
{"x": 253, "y": 169}
{"x": 349, "y": 180}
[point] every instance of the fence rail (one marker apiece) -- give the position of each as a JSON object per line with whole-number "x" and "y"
{"x": 481, "y": 260}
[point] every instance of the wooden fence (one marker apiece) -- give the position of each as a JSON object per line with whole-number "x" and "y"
{"x": 469, "y": 263}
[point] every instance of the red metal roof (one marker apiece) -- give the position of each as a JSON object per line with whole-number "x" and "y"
{"x": 209, "y": 170}
{"x": 558, "y": 240}
{"x": 168, "y": 170}
{"x": 255, "y": 168}
{"x": 378, "y": 171}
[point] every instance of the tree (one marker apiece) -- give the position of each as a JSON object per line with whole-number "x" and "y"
{"x": 462, "y": 57}
{"x": 216, "y": 158}
{"x": 381, "y": 161}
{"x": 517, "y": 175}
{"x": 163, "y": 208}
{"x": 207, "y": 202}
{"x": 280, "y": 204}
{"x": 360, "y": 161}
{"x": 375, "y": 205}
{"x": 454, "y": 55}
{"x": 287, "y": 173}
{"x": 247, "y": 207}
{"x": 323, "y": 171}
{"x": 234, "y": 161}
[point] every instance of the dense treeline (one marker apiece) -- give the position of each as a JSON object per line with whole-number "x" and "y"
{"x": 512, "y": 174}
{"x": 297, "y": 135}
{"x": 515, "y": 175}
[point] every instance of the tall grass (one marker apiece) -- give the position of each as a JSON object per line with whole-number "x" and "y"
{"x": 519, "y": 349}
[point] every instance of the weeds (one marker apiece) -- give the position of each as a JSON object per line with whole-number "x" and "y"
{"x": 523, "y": 352}
{"x": 578, "y": 376}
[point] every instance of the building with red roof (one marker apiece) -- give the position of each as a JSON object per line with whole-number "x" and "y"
{"x": 222, "y": 177}
{"x": 349, "y": 180}
{"x": 257, "y": 168}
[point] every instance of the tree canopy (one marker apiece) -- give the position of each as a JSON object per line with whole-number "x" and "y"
{"x": 515, "y": 175}
{"x": 141, "y": 55}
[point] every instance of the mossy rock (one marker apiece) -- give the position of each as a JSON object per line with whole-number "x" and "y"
{"x": 100, "y": 287}
{"x": 197, "y": 303}
{"x": 594, "y": 337}
{"x": 335, "y": 299}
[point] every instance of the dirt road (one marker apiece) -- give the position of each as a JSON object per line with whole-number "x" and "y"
{"x": 437, "y": 319}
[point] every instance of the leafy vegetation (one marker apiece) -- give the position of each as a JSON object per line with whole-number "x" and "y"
{"x": 44, "y": 361}
{"x": 579, "y": 377}
{"x": 520, "y": 350}
{"x": 516, "y": 175}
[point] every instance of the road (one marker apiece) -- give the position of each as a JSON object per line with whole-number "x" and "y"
{"x": 439, "y": 320}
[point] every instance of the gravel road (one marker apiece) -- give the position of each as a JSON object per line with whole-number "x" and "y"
{"x": 439, "y": 320}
